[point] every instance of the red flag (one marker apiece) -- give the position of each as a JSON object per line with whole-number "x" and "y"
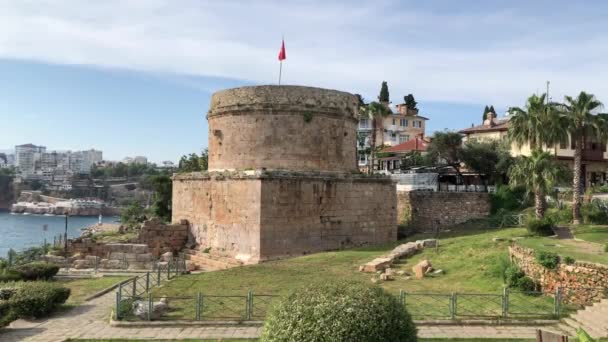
{"x": 282, "y": 54}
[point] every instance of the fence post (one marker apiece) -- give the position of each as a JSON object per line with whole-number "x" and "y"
{"x": 147, "y": 281}
{"x": 453, "y": 302}
{"x": 150, "y": 306}
{"x": 202, "y": 306}
{"x": 199, "y": 301}
{"x": 249, "y": 305}
{"x": 116, "y": 315}
{"x": 505, "y": 302}
{"x": 158, "y": 276}
{"x": 168, "y": 270}
{"x": 402, "y": 297}
{"x": 135, "y": 286}
{"x": 557, "y": 302}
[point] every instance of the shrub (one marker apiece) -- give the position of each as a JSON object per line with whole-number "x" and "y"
{"x": 125, "y": 307}
{"x": 499, "y": 266}
{"x": 547, "y": 259}
{"x": 594, "y": 213}
{"x": 538, "y": 227}
{"x": 508, "y": 198}
{"x": 606, "y": 247}
{"x": 6, "y": 314}
{"x": 10, "y": 275}
{"x": 526, "y": 284}
{"x": 7, "y": 292}
{"x": 569, "y": 260}
{"x": 37, "y": 271}
{"x": 339, "y": 312}
{"x": 563, "y": 215}
{"x": 37, "y": 299}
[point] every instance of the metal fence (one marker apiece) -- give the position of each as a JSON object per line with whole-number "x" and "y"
{"x": 509, "y": 304}
{"x": 506, "y": 221}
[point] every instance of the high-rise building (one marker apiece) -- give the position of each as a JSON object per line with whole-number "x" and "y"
{"x": 26, "y": 157}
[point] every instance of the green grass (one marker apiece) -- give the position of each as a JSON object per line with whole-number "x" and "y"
{"x": 251, "y": 340}
{"x": 469, "y": 258}
{"x": 580, "y": 251}
{"x": 591, "y": 233}
{"x": 83, "y": 288}
{"x": 114, "y": 237}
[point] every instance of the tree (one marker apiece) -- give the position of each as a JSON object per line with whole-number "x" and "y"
{"x": 133, "y": 215}
{"x": 485, "y": 113}
{"x": 410, "y": 102}
{"x": 163, "y": 189}
{"x": 376, "y": 112}
{"x": 538, "y": 173}
{"x": 537, "y": 125}
{"x": 384, "y": 95}
{"x": 445, "y": 148}
{"x": 581, "y": 124}
{"x": 492, "y": 159}
{"x": 412, "y": 159}
{"x": 194, "y": 163}
{"x": 491, "y": 109}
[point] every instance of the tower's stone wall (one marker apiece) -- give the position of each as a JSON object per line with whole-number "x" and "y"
{"x": 282, "y": 128}
{"x": 282, "y": 178}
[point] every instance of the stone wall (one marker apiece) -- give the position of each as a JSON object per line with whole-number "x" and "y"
{"x": 257, "y": 216}
{"x": 426, "y": 210}
{"x": 162, "y": 238}
{"x": 581, "y": 283}
{"x": 282, "y": 128}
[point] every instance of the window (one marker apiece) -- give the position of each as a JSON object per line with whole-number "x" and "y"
{"x": 403, "y": 122}
{"x": 394, "y": 122}
{"x": 364, "y": 123}
{"x": 403, "y": 138}
{"x": 417, "y": 124}
{"x": 563, "y": 144}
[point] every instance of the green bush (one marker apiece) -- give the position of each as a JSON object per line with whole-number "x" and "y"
{"x": 125, "y": 307}
{"x": 508, "y": 198}
{"x": 6, "y": 314}
{"x": 7, "y": 292}
{"x": 498, "y": 266}
{"x": 547, "y": 259}
{"x": 538, "y": 227}
{"x": 8, "y": 275}
{"x": 526, "y": 284}
{"x": 37, "y": 271}
{"x": 339, "y": 312}
{"x": 593, "y": 213}
{"x": 606, "y": 247}
{"x": 516, "y": 278}
{"x": 563, "y": 215}
{"x": 569, "y": 260}
{"x": 37, "y": 299}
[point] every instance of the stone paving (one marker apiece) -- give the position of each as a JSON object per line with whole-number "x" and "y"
{"x": 90, "y": 320}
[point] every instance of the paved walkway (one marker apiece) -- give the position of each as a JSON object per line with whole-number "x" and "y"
{"x": 90, "y": 321}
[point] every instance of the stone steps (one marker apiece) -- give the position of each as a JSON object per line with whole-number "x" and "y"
{"x": 593, "y": 319}
{"x": 206, "y": 261}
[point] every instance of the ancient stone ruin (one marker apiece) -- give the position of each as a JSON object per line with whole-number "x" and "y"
{"x": 282, "y": 179}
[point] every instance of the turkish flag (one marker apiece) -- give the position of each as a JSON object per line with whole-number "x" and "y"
{"x": 282, "y": 54}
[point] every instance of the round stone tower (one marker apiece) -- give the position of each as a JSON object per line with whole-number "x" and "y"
{"x": 283, "y": 128}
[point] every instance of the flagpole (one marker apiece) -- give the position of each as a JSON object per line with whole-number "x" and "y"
{"x": 280, "y": 71}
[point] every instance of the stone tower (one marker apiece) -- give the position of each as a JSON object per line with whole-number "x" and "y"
{"x": 283, "y": 178}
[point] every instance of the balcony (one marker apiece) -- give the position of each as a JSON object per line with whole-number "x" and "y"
{"x": 593, "y": 155}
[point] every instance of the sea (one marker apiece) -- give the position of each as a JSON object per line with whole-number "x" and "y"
{"x": 19, "y": 231}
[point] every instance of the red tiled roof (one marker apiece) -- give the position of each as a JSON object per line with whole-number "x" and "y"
{"x": 417, "y": 144}
{"x": 500, "y": 125}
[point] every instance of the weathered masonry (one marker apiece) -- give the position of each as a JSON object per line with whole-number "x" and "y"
{"x": 282, "y": 178}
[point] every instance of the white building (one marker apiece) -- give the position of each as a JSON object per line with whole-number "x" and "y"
{"x": 26, "y": 157}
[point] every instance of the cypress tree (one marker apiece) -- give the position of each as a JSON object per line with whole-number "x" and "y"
{"x": 384, "y": 96}
{"x": 485, "y": 112}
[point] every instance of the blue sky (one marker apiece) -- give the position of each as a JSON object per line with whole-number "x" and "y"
{"x": 134, "y": 77}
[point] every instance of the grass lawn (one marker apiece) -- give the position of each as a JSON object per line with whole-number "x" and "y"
{"x": 252, "y": 340}
{"x": 83, "y": 288}
{"x": 470, "y": 260}
{"x": 591, "y": 248}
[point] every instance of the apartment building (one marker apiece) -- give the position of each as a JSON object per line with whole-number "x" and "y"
{"x": 595, "y": 156}
{"x": 400, "y": 126}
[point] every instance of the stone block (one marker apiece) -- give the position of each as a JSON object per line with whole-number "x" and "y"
{"x": 117, "y": 255}
{"x": 422, "y": 268}
{"x": 81, "y": 264}
{"x": 377, "y": 264}
{"x": 145, "y": 257}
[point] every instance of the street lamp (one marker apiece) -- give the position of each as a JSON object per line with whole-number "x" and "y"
{"x": 65, "y": 237}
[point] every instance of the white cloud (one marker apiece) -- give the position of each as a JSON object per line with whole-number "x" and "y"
{"x": 498, "y": 56}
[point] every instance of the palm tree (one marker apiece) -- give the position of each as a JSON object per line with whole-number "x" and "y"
{"x": 376, "y": 112}
{"x": 538, "y": 173}
{"x": 580, "y": 122}
{"x": 537, "y": 125}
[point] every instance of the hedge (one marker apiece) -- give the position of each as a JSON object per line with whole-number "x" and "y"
{"x": 339, "y": 312}
{"x": 36, "y": 299}
{"x": 37, "y": 271}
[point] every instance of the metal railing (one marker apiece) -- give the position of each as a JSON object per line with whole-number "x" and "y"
{"x": 508, "y": 304}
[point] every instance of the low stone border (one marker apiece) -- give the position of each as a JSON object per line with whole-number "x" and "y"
{"x": 108, "y": 289}
{"x": 183, "y": 323}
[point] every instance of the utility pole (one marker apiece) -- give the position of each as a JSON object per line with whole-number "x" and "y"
{"x": 548, "y": 92}
{"x": 65, "y": 237}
